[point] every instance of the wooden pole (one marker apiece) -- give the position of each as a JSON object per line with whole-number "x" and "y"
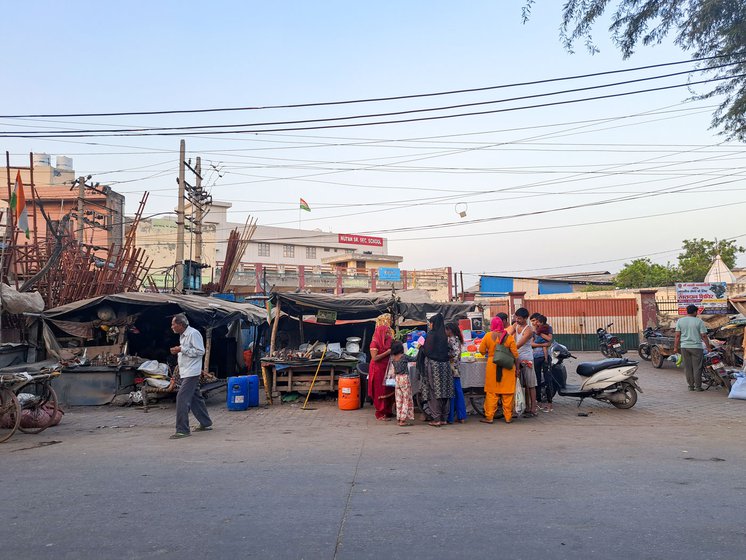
{"x": 275, "y": 324}
{"x": 208, "y": 349}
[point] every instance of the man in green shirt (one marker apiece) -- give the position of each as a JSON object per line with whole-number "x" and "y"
{"x": 691, "y": 333}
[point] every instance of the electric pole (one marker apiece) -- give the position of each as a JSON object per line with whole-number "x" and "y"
{"x": 81, "y": 207}
{"x": 200, "y": 215}
{"x": 179, "y": 270}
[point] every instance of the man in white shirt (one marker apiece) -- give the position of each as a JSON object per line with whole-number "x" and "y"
{"x": 190, "y": 352}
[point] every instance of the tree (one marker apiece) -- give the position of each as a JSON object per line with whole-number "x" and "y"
{"x": 698, "y": 255}
{"x": 710, "y": 29}
{"x": 642, "y": 273}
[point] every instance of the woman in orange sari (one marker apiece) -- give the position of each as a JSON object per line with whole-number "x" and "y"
{"x": 499, "y": 383}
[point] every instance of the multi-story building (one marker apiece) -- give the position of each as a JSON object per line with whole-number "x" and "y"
{"x": 103, "y": 209}
{"x": 287, "y": 259}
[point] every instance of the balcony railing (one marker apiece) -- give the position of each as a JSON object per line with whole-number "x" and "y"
{"x": 261, "y": 278}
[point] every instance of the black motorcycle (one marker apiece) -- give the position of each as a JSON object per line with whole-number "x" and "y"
{"x": 645, "y": 348}
{"x": 610, "y": 345}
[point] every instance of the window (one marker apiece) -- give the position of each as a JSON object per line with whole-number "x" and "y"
{"x": 326, "y": 249}
{"x": 310, "y": 252}
{"x": 288, "y": 251}
{"x": 350, "y": 251}
{"x": 264, "y": 249}
{"x": 360, "y": 264}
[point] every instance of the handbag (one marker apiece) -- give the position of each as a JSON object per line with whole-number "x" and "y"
{"x": 390, "y": 379}
{"x": 502, "y": 356}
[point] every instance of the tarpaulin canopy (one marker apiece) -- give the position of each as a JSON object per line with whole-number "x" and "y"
{"x": 347, "y": 307}
{"x": 203, "y": 312}
{"x": 412, "y": 305}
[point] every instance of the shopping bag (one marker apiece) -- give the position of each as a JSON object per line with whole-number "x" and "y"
{"x": 519, "y": 402}
{"x": 738, "y": 390}
{"x": 390, "y": 379}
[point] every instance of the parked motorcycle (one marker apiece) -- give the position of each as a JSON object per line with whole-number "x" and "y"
{"x": 714, "y": 372}
{"x": 612, "y": 381}
{"x": 644, "y": 349}
{"x": 610, "y": 345}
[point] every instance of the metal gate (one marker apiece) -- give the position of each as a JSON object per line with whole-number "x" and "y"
{"x": 575, "y": 320}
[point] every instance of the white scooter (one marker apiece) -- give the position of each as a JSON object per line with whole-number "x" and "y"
{"x": 611, "y": 380}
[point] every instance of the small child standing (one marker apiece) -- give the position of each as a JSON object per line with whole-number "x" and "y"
{"x": 403, "y": 391}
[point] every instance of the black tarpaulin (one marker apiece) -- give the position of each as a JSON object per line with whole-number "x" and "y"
{"x": 203, "y": 312}
{"x": 412, "y": 305}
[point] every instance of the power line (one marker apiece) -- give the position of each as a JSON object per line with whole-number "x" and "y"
{"x": 369, "y": 100}
{"x": 185, "y": 131}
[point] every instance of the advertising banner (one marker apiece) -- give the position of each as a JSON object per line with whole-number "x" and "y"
{"x": 709, "y": 297}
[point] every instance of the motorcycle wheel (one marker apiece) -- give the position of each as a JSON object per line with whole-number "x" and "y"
{"x": 630, "y": 397}
{"x": 605, "y": 350}
{"x": 644, "y": 351}
{"x": 708, "y": 378}
{"x": 477, "y": 403}
{"x": 656, "y": 357}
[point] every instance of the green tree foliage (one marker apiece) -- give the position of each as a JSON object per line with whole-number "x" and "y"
{"x": 642, "y": 273}
{"x": 698, "y": 254}
{"x": 694, "y": 262}
{"x": 706, "y": 28}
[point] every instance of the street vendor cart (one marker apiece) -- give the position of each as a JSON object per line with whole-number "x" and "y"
{"x": 661, "y": 347}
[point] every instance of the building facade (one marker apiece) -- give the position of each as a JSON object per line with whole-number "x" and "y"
{"x": 103, "y": 209}
{"x": 287, "y": 259}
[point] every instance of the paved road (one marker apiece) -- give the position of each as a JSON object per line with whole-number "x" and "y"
{"x": 662, "y": 480}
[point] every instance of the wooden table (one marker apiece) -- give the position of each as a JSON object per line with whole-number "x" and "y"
{"x": 297, "y": 376}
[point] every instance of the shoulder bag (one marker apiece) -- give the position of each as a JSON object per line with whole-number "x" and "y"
{"x": 502, "y": 356}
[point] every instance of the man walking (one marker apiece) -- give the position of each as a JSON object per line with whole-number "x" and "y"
{"x": 691, "y": 333}
{"x": 191, "y": 349}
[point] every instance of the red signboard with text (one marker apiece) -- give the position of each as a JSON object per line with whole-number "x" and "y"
{"x": 360, "y": 240}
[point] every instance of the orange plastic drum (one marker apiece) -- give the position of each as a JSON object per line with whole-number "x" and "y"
{"x": 349, "y": 392}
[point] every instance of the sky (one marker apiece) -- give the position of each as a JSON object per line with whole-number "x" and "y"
{"x": 577, "y": 186}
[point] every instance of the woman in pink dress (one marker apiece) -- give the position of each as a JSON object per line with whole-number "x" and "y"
{"x": 380, "y": 350}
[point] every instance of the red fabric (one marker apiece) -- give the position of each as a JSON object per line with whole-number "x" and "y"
{"x": 382, "y": 340}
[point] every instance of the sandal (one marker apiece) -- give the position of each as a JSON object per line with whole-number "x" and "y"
{"x": 434, "y": 424}
{"x": 179, "y": 435}
{"x": 485, "y": 421}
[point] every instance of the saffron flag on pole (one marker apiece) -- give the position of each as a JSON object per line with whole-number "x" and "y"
{"x": 304, "y": 205}
{"x": 18, "y": 205}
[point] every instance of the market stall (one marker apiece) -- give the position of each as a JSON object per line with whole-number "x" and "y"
{"x": 103, "y": 341}
{"x": 346, "y": 323}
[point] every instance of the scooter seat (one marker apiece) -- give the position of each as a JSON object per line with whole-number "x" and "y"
{"x": 586, "y": 369}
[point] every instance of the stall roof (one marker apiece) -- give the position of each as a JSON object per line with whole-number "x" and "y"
{"x": 413, "y": 305}
{"x": 348, "y": 306}
{"x": 202, "y": 311}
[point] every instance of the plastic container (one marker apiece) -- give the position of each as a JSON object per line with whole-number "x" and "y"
{"x": 253, "y": 390}
{"x": 464, "y": 324}
{"x": 242, "y": 392}
{"x": 349, "y": 392}
{"x": 238, "y": 393}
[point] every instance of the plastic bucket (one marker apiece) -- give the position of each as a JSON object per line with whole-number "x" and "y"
{"x": 349, "y": 392}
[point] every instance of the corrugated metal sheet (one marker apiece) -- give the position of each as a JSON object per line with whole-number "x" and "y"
{"x": 495, "y": 285}
{"x": 554, "y": 287}
{"x": 575, "y": 321}
{"x": 599, "y": 307}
